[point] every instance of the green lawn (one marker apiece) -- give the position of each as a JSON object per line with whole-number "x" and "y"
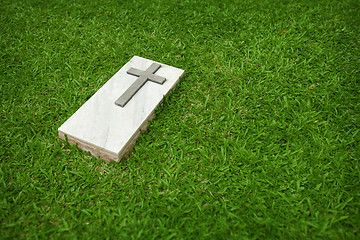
{"x": 260, "y": 140}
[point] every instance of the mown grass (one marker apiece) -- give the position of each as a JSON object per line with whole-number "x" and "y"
{"x": 259, "y": 140}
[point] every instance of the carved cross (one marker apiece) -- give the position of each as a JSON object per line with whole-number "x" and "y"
{"x": 144, "y": 76}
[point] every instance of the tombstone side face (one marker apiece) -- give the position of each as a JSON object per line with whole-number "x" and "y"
{"x": 109, "y": 131}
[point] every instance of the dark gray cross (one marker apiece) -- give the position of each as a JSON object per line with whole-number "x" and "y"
{"x": 144, "y": 76}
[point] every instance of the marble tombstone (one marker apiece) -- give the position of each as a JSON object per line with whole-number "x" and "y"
{"x": 108, "y": 124}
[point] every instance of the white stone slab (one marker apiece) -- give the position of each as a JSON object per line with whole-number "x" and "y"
{"x": 108, "y": 130}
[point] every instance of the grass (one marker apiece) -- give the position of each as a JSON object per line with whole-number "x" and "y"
{"x": 259, "y": 140}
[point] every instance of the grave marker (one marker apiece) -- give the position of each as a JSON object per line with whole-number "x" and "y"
{"x": 108, "y": 125}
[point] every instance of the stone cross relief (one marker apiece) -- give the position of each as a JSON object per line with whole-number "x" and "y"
{"x": 144, "y": 76}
